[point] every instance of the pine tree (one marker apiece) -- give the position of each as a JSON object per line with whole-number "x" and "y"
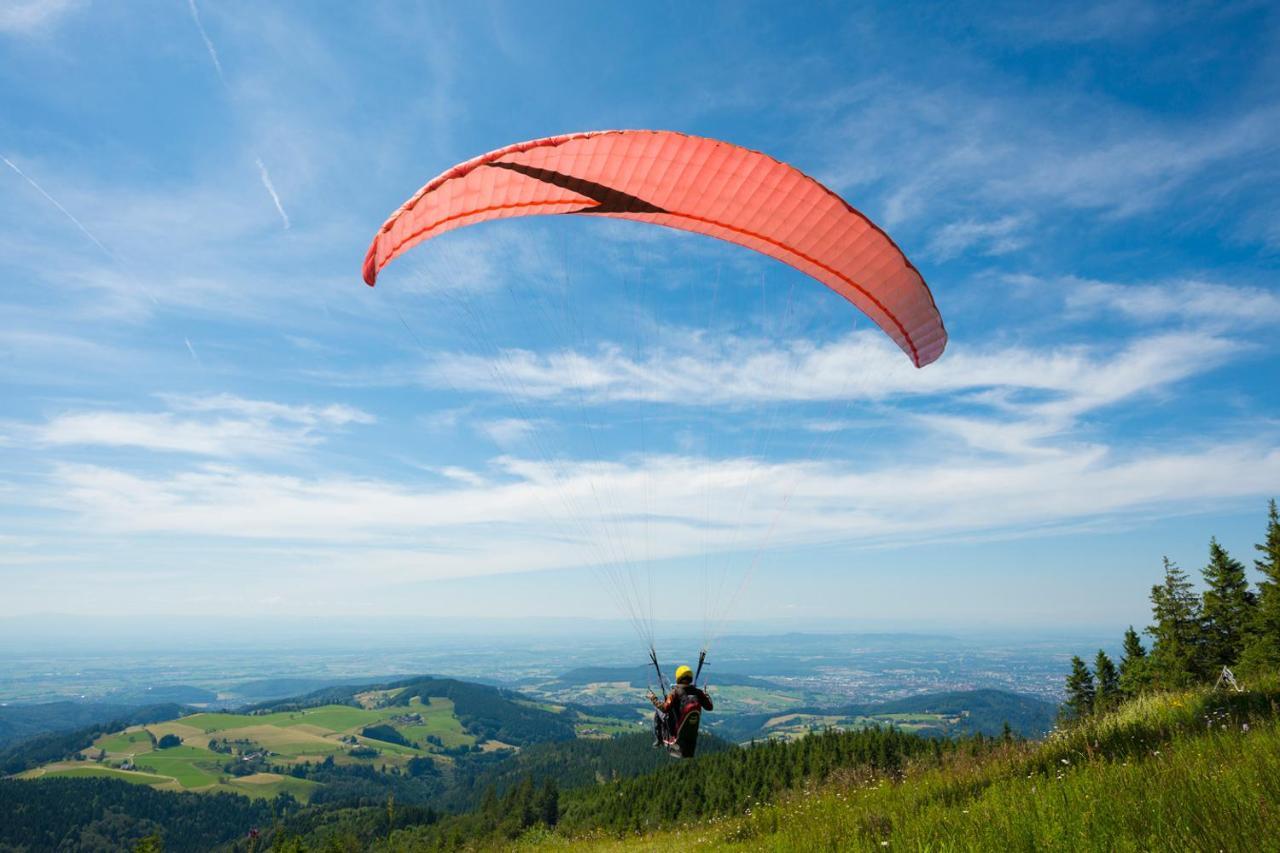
{"x": 1262, "y": 638}
{"x": 1176, "y": 654}
{"x": 1228, "y": 608}
{"x": 1135, "y": 675}
{"x": 1107, "y": 683}
{"x": 1080, "y": 690}
{"x": 549, "y": 803}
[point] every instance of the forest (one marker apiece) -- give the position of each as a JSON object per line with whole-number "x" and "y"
{"x": 1196, "y": 638}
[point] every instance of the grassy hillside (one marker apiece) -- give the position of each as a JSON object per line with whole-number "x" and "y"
{"x": 23, "y": 722}
{"x": 1196, "y": 770}
{"x": 1190, "y": 771}
{"x": 345, "y": 744}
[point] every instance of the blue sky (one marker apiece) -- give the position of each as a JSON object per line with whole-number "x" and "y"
{"x": 205, "y": 411}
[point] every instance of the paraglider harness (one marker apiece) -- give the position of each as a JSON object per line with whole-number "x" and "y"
{"x": 679, "y": 733}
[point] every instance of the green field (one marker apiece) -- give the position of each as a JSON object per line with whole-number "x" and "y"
{"x": 594, "y": 726}
{"x": 191, "y": 766}
{"x": 215, "y": 745}
{"x": 285, "y": 738}
{"x": 125, "y": 742}
{"x": 107, "y": 772}
{"x": 798, "y": 725}
{"x": 301, "y": 789}
{"x": 437, "y": 719}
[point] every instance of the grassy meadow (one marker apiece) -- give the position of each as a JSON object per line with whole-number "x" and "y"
{"x": 285, "y": 738}
{"x": 1196, "y": 770}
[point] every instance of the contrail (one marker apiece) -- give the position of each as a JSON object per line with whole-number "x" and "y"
{"x": 266, "y": 182}
{"x": 192, "y": 350}
{"x": 217, "y": 66}
{"x": 56, "y": 204}
{"x": 208, "y": 42}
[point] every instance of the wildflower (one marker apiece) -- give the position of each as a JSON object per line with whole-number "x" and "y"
{"x": 1065, "y": 761}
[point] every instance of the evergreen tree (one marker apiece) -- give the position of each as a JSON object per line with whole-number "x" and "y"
{"x": 1262, "y": 639}
{"x": 1080, "y": 689}
{"x": 1106, "y": 683}
{"x": 1176, "y": 654}
{"x": 1228, "y": 608}
{"x": 1135, "y": 676}
{"x": 549, "y": 802}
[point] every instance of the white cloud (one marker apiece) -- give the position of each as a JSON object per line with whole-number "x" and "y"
{"x": 21, "y": 17}
{"x": 506, "y": 432}
{"x": 657, "y": 506}
{"x": 1110, "y": 20}
{"x": 308, "y": 415}
{"x": 1193, "y": 301}
{"x": 730, "y": 371}
{"x": 220, "y": 426}
{"x": 991, "y": 237}
{"x": 941, "y": 151}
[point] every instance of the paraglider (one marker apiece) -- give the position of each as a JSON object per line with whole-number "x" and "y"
{"x": 695, "y": 184}
{"x": 691, "y": 183}
{"x": 676, "y": 718}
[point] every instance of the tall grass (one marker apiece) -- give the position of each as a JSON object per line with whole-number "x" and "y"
{"x": 1188, "y": 771}
{"x": 1215, "y": 791}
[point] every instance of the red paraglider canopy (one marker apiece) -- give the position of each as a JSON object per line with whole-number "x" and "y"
{"x": 691, "y": 183}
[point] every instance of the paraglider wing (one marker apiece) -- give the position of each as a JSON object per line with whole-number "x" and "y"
{"x": 693, "y": 184}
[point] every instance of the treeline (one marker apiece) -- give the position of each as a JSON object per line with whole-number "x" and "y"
{"x": 710, "y": 785}
{"x": 487, "y": 713}
{"x": 20, "y": 722}
{"x": 1194, "y": 635}
{"x": 732, "y": 781}
{"x": 109, "y": 815}
{"x": 570, "y": 764}
{"x": 56, "y": 746}
{"x": 354, "y": 785}
{"x": 521, "y": 798}
{"x": 491, "y": 713}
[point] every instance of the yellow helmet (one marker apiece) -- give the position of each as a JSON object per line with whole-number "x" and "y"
{"x": 684, "y": 675}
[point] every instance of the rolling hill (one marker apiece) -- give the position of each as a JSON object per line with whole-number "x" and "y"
{"x": 1190, "y": 770}
{"x": 946, "y": 714}
{"x": 450, "y": 753}
{"x": 339, "y": 743}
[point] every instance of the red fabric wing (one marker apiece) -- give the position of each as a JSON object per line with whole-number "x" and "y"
{"x": 694, "y": 184}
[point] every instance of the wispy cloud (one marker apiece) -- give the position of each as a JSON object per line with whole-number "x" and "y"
{"x": 27, "y": 16}
{"x": 263, "y": 174}
{"x": 219, "y": 426}
{"x": 271, "y": 191}
{"x": 991, "y": 237}
{"x": 1190, "y": 300}
{"x": 507, "y": 432}
{"x": 936, "y": 152}
{"x": 728, "y": 371}
{"x": 657, "y": 506}
{"x": 1101, "y": 20}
